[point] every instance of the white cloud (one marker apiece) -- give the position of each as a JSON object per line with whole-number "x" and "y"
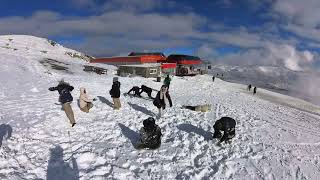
{"x": 299, "y": 17}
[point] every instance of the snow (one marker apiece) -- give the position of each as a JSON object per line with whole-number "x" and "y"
{"x": 277, "y": 137}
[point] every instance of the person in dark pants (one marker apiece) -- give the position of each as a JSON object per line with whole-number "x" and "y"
{"x": 159, "y": 101}
{"x": 213, "y": 78}
{"x": 249, "y": 87}
{"x": 115, "y": 94}
{"x": 167, "y": 81}
{"x": 146, "y": 90}
{"x": 227, "y": 125}
{"x": 65, "y": 98}
{"x": 150, "y": 135}
{"x": 254, "y": 90}
{"x": 136, "y": 91}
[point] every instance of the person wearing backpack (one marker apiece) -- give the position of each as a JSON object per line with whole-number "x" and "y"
{"x": 66, "y": 99}
{"x": 150, "y": 135}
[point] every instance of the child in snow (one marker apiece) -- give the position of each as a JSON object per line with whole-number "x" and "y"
{"x": 160, "y": 99}
{"x": 115, "y": 94}
{"x": 146, "y": 90}
{"x": 136, "y": 91}
{"x": 254, "y": 90}
{"x": 167, "y": 81}
{"x": 202, "y": 108}
{"x": 84, "y": 101}
{"x": 227, "y": 125}
{"x": 150, "y": 135}
{"x": 65, "y": 98}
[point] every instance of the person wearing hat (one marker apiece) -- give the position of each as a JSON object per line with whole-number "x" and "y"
{"x": 115, "y": 93}
{"x": 150, "y": 135}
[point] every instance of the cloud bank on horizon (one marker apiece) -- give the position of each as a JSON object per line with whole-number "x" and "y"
{"x": 246, "y": 32}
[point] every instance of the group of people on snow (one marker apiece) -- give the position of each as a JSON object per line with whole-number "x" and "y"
{"x": 150, "y": 133}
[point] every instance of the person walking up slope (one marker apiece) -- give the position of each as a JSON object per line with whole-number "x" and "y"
{"x": 115, "y": 94}
{"x": 65, "y": 98}
{"x": 254, "y": 90}
{"x": 159, "y": 101}
{"x": 84, "y": 101}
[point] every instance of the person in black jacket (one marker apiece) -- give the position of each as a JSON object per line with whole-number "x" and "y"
{"x": 146, "y": 90}
{"x": 115, "y": 94}
{"x": 227, "y": 125}
{"x": 249, "y": 87}
{"x": 150, "y": 135}
{"x": 66, "y": 99}
{"x": 159, "y": 101}
{"x": 254, "y": 90}
{"x": 136, "y": 91}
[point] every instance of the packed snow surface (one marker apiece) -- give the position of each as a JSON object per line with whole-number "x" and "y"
{"x": 277, "y": 137}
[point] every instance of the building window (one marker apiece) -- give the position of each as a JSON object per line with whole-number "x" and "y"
{"x": 153, "y": 71}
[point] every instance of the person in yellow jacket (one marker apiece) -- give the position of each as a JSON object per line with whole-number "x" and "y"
{"x": 84, "y": 100}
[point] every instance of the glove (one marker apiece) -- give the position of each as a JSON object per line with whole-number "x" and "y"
{"x": 51, "y": 89}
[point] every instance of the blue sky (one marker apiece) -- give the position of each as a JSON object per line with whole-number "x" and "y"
{"x": 239, "y": 32}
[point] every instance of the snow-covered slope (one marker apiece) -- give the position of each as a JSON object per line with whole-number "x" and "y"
{"x": 276, "y": 138}
{"x": 277, "y": 79}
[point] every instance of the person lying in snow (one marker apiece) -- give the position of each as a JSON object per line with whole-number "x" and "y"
{"x": 202, "y": 108}
{"x": 150, "y": 135}
{"x": 136, "y": 91}
{"x": 146, "y": 90}
{"x": 84, "y": 101}
{"x": 65, "y": 98}
{"x": 227, "y": 125}
{"x": 160, "y": 99}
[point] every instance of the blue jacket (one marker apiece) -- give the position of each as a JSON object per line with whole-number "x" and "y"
{"x": 64, "y": 91}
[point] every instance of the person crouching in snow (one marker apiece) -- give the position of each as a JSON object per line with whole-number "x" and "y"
{"x": 227, "y": 125}
{"x": 84, "y": 101}
{"x": 136, "y": 91}
{"x": 160, "y": 99}
{"x": 150, "y": 135}
{"x": 115, "y": 94}
{"x": 65, "y": 98}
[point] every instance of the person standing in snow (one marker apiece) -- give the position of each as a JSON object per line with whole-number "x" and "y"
{"x": 84, "y": 101}
{"x": 160, "y": 99}
{"x": 136, "y": 91}
{"x": 213, "y": 78}
{"x": 167, "y": 81}
{"x": 115, "y": 94}
{"x": 150, "y": 135}
{"x": 227, "y": 125}
{"x": 254, "y": 90}
{"x": 66, "y": 99}
{"x": 249, "y": 87}
{"x": 147, "y": 90}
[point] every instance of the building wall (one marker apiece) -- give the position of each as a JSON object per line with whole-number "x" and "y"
{"x": 140, "y": 71}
